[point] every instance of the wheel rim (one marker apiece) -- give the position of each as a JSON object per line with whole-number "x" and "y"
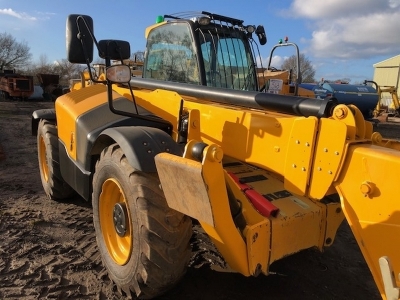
{"x": 115, "y": 221}
{"x": 43, "y": 159}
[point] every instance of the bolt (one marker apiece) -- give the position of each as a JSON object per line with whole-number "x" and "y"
{"x": 195, "y": 123}
{"x": 330, "y": 172}
{"x": 336, "y": 153}
{"x": 217, "y": 154}
{"x": 376, "y": 138}
{"x": 303, "y": 169}
{"x": 297, "y": 142}
{"x": 294, "y": 166}
{"x": 319, "y": 169}
{"x": 340, "y": 112}
{"x": 366, "y": 188}
{"x": 307, "y": 145}
{"x": 277, "y": 149}
{"x": 325, "y": 149}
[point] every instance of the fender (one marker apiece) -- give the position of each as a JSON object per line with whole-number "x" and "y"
{"x": 140, "y": 145}
{"x": 37, "y": 115}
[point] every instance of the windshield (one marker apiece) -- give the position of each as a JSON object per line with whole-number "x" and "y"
{"x": 171, "y": 56}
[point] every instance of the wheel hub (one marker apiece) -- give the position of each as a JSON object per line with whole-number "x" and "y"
{"x": 120, "y": 218}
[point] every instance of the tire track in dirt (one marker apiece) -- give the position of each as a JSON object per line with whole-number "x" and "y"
{"x": 48, "y": 249}
{"x": 48, "y": 255}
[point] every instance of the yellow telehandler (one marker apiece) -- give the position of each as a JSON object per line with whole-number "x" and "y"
{"x": 266, "y": 175}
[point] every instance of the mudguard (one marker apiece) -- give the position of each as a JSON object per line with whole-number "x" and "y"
{"x": 37, "y": 115}
{"x": 140, "y": 145}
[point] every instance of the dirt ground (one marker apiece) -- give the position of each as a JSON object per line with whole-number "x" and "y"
{"x": 48, "y": 249}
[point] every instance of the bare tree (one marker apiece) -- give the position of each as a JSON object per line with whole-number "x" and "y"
{"x": 63, "y": 68}
{"x": 13, "y": 54}
{"x": 67, "y": 71}
{"x": 307, "y": 71}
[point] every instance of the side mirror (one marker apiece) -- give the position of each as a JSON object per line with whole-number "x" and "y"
{"x": 79, "y": 39}
{"x": 114, "y": 49}
{"x": 262, "y": 37}
{"x": 118, "y": 74}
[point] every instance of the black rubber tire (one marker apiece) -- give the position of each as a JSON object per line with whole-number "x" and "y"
{"x": 54, "y": 185}
{"x": 161, "y": 236}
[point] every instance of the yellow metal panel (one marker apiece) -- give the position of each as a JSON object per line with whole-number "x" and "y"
{"x": 70, "y": 106}
{"x": 334, "y": 217}
{"x": 299, "y": 225}
{"x": 299, "y": 154}
{"x": 264, "y": 136}
{"x": 164, "y": 104}
{"x": 368, "y": 185}
{"x": 258, "y": 245}
{"x": 194, "y": 125}
{"x": 329, "y": 151}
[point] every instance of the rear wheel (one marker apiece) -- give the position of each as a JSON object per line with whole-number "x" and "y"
{"x": 143, "y": 243}
{"x": 54, "y": 185}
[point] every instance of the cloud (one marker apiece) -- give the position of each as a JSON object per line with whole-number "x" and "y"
{"x": 276, "y": 61}
{"x": 12, "y": 13}
{"x": 332, "y": 9}
{"x": 351, "y": 29}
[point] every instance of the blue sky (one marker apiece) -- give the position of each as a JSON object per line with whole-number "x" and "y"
{"x": 342, "y": 38}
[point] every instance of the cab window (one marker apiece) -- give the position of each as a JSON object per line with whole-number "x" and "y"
{"x": 170, "y": 54}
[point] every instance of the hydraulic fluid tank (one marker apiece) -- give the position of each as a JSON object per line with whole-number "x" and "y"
{"x": 363, "y": 96}
{"x": 308, "y": 86}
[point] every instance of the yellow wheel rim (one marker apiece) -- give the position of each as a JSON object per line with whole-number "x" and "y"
{"x": 43, "y": 159}
{"x": 112, "y": 202}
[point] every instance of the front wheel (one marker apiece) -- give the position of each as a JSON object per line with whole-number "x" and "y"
{"x": 143, "y": 243}
{"x": 54, "y": 185}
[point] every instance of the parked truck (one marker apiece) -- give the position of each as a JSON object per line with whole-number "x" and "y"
{"x": 14, "y": 86}
{"x": 265, "y": 175}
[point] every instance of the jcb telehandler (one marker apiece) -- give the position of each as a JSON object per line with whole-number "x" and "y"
{"x": 265, "y": 175}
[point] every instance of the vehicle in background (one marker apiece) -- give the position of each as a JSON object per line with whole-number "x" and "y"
{"x": 15, "y": 86}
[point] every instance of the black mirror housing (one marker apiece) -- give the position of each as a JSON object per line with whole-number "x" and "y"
{"x": 262, "y": 37}
{"x": 114, "y": 49}
{"x": 79, "y": 39}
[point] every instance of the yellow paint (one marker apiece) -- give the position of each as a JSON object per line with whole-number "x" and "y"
{"x": 119, "y": 247}
{"x": 70, "y": 106}
{"x": 150, "y": 28}
{"x": 299, "y": 154}
{"x": 259, "y": 132}
{"x": 372, "y": 212}
{"x": 328, "y": 155}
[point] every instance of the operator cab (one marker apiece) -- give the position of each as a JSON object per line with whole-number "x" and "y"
{"x": 205, "y": 49}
